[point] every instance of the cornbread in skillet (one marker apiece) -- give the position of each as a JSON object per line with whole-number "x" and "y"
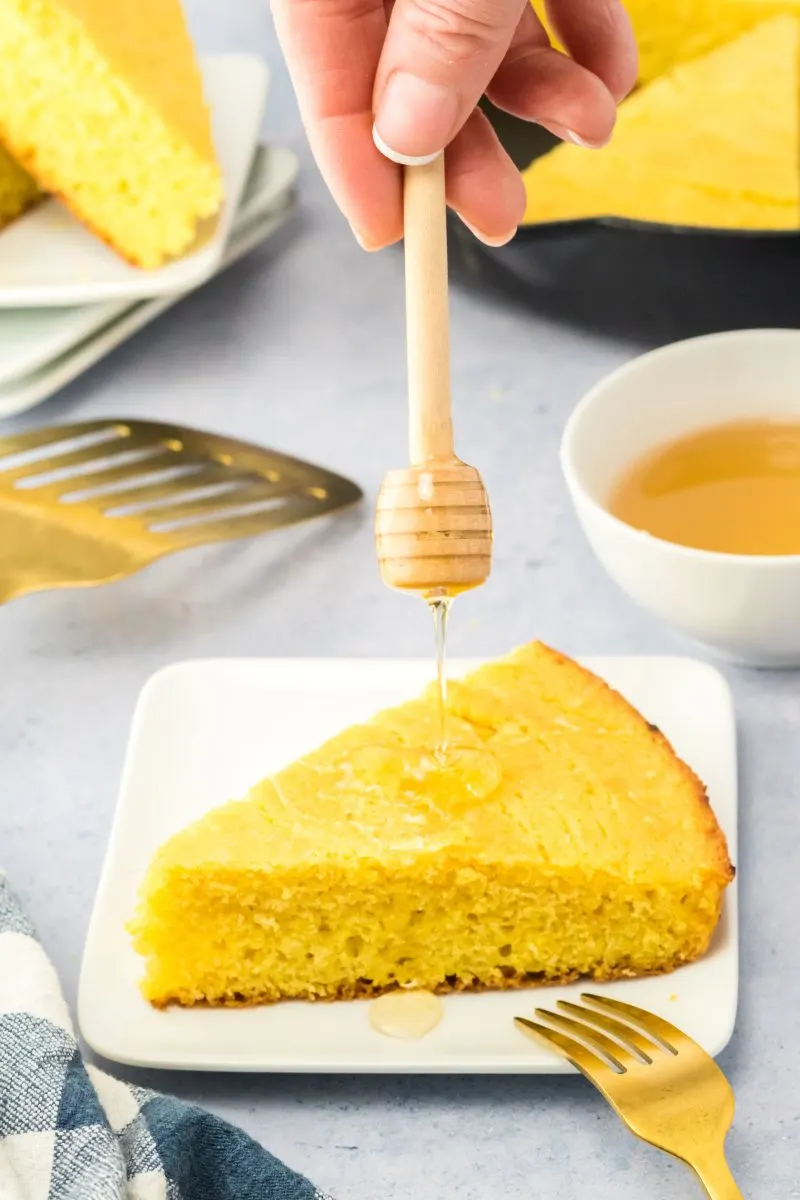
{"x": 102, "y": 102}
{"x": 674, "y": 31}
{"x": 715, "y": 143}
{"x": 561, "y": 838}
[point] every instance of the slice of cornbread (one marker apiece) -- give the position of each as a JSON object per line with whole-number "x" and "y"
{"x": 713, "y": 144}
{"x": 560, "y": 837}
{"x": 102, "y": 101}
{"x": 18, "y": 189}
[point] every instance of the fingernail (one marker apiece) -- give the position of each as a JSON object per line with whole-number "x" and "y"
{"x": 486, "y": 239}
{"x": 359, "y": 238}
{"x": 405, "y": 160}
{"x": 569, "y": 135}
{"x": 587, "y": 145}
{"x": 414, "y": 114}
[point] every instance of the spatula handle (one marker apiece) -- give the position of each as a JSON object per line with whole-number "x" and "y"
{"x": 427, "y": 319}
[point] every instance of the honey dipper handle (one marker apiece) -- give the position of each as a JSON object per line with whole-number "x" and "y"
{"x": 427, "y": 324}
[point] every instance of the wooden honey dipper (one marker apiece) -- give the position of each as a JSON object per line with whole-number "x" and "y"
{"x": 433, "y": 525}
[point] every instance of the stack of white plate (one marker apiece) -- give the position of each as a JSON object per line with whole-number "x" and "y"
{"x": 66, "y": 299}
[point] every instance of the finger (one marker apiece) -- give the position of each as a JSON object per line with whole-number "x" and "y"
{"x": 598, "y": 35}
{"x": 332, "y": 48}
{"x": 437, "y": 60}
{"x": 483, "y": 185}
{"x": 540, "y": 84}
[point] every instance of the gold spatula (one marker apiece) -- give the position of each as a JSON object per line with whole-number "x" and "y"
{"x": 89, "y": 503}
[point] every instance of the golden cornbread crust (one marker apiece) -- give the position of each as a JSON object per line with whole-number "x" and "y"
{"x": 561, "y": 838}
{"x": 365, "y": 991}
{"x": 699, "y": 788}
{"x": 27, "y": 160}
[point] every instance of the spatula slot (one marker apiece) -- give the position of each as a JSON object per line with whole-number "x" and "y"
{"x": 207, "y": 494}
{"x": 42, "y": 449}
{"x": 120, "y": 481}
{"x": 214, "y": 514}
{"x": 85, "y": 468}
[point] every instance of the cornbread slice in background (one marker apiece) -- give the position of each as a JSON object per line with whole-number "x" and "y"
{"x": 561, "y": 838}
{"x": 716, "y": 143}
{"x": 18, "y": 189}
{"x": 102, "y": 101}
{"x": 669, "y": 32}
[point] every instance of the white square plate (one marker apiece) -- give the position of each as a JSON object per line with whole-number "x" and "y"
{"x": 31, "y": 338}
{"x": 48, "y": 257}
{"x": 65, "y": 342}
{"x": 206, "y": 731}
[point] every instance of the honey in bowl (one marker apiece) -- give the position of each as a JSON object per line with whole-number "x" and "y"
{"x": 732, "y": 488}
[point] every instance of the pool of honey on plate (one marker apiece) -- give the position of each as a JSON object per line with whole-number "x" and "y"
{"x": 406, "y": 1015}
{"x": 732, "y": 488}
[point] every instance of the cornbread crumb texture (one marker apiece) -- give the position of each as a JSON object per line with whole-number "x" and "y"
{"x": 102, "y": 101}
{"x": 714, "y": 143}
{"x": 561, "y": 837}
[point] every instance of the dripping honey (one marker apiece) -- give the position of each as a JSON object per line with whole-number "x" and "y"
{"x": 440, "y": 609}
{"x": 732, "y": 488}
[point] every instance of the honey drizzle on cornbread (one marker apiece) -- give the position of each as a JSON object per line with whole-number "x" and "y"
{"x": 433, "y": 770}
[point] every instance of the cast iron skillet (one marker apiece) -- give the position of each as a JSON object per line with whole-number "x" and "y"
{"x": 644, "y": 282}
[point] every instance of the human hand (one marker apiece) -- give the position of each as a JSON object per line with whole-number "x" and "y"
{"x": 416, "y": 70}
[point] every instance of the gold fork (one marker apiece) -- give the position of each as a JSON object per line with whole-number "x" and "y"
{"x": 666, "y": 1089}
{"x": 89, "y": 503}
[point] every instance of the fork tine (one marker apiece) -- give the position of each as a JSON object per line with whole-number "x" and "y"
{"x": 667, "y": 1034}
{"x": 620, "y": 1059}
{"x": 593, "y": 1067}
{"x": 631, "y": 1038}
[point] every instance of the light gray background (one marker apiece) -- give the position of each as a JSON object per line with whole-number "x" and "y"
{"x": 301, "y": 347}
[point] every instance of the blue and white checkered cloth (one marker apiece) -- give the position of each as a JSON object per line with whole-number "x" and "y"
{"x": 70, "y": 1132}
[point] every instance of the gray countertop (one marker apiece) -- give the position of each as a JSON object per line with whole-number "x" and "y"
{"x": 301, "y": 348}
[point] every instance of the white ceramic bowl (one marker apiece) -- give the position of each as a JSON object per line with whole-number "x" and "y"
{"x": 745, "y": 608}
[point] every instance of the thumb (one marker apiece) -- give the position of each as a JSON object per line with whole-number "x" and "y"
{"x": 438, "y": 59}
